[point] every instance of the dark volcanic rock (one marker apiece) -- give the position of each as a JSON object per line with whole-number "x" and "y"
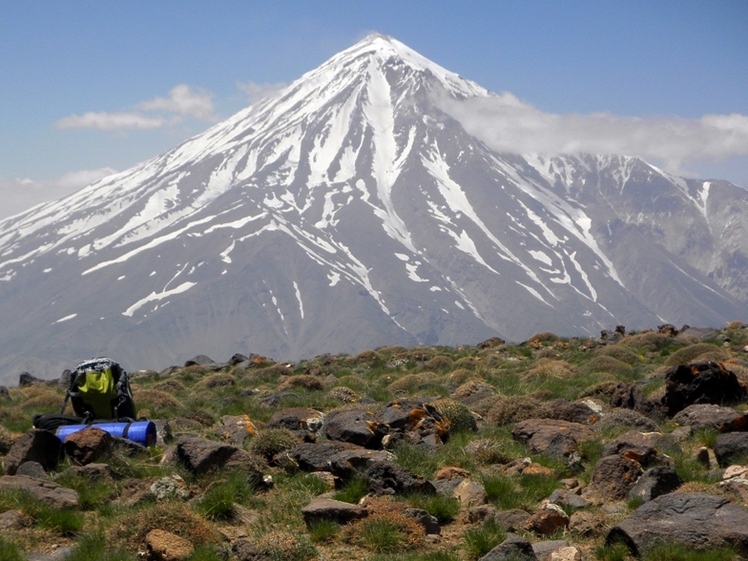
{"x": 629, "y": 396}
{"x": 572, "y": 411}
{"x": 316, "y": 457}
{"x": 202, "y": 456}
{"x": 538, "y": 433}
{"x": 730, "y": 446}
{"x": 385, "y": 478}
{"x": 430, "y": 523}
{"x": 636, "y": 446}
{"x": 328, "y": 509}
{"x": 712, "y": 416}
{"x": 612, "y": 478}
{"x": 696, "y": 520}
{"x": 700, "y": 382}
{"x": 35, "y": 446}
{"x": 42, "y": 489}
{"x": 355, "y": 427}
{"x": 513, "y": 548}
{"x": 654, "y": 482}
{"x": 86, "y": 445}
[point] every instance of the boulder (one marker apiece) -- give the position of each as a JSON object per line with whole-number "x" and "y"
{"x": 385, "y": 478}
{"x": 234, "y": 429}
{"x": 202, "y": 456}
{"x": 346, "y": 464}
{"x": 200, "y": 360}
{"x": 87, "y": 445}
{"x": 303, "y": 421}
{"x": 355, "y": 427}
{"x": 700, "y": 382}
{"x": 34, "y": 446}
{"x": 629, "y": 418}
{"x": 329, "y": 509}
{"x": 565, "y": 497}
{"x": 654, "y": 482}
{"x": 4, "y": 393}
{"x": 32, "y": 469}
{"x": 538, "y": 433}
{"x": 729, "y": 447}
{"x": 547, "y": 520}
{"x": 513, "y": 548}
{"x": 612, "y": 478}
{"x": 15, "y": 520}
{"x": 696, "y": 520}
{"x": 572, "y": 411}
{"x": 637, "y": 446}
{"x": 245, "y": 550}
{"x": 165, "y": 546}
{"x": 316, "y": 457}
{"x": 712, "y": 416}
{"x": 429, "y": 523}
{"x": 543, "y": 550}
{"x": 630, "y": 396}
{"x": 470, "y": 493}
{"x": 43, "y": 489}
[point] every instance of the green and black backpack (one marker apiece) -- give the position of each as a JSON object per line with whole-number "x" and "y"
{"x": 100, "y": 389}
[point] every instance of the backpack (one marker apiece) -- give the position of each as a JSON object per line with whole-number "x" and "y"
{"x": 100, "y": 389}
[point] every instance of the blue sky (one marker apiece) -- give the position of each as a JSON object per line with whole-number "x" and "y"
{"x": 92, "y": 86}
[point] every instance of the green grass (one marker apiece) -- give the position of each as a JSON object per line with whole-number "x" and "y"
{"x": 380, "y": 535}
{"x": 615, "y": 552}
{"x": 205, "y": 552}
{"x": 426, "y": 556}
{"x": 94, "y": 546}
{"x": 523, "y": 491}
{"x": 479, "y": 540}
{"x": 92, "y": 493}
{"x": 323, "y": 531}
{"x": 218, "y": 501}
{"x": 9, "y": 551}
{"x": 67, "y": 521}
{"x": 444, "y": 509}
{"x": 353, "y": 491}
{"x": 680, "y": 552}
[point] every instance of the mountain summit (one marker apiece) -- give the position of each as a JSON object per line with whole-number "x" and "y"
{"x": 349, "y": 211}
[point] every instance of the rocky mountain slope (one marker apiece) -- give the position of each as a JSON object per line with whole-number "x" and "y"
{"x": 628, "y": 447}
{"x": 350, "y": 211}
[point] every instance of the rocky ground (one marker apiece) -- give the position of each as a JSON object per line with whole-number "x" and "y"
{"x": 631, "y": 445}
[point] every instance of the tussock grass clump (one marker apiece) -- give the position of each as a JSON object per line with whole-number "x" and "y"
{"x": 479, "y": 540}
{"x": 217, "y": 503}
{"x": 176, "y": 518}
{"x": 304, "y": 381}
{"x": 156, "y": 399}
{"x": 459, "y": 416}
{"x": 693, "y": 352}
{"x": 619, "y": 352}
{"x": 439, "y": 362}
{"x": 285, "y": 546}
{"x": 219, "y": 380}
{"x": 605, "y": 363}
{"x": 386, "y": 529}
{"x": 268, "y": 443}
{"x": 511, "y": 409}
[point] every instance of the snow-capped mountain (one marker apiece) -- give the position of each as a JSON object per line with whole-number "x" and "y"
{"x": 347, "y": 212}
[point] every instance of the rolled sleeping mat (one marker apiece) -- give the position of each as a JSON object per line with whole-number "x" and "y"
{"x": 142, "y": 432}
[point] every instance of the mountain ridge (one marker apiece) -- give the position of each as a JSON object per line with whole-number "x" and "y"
{"x": 349, "y": 211}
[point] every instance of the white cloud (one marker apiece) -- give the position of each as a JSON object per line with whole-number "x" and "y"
{"x": 256, "y": 92}
{"x": 507, "y": 124}
{"x": 155, "y": 113}
{"x": 21, "y": 194}
{"x": 104, "y": 120}
{"x": 184, "y": 101}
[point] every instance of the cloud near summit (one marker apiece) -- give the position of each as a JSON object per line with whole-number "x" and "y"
{"x": 507, "y": 124}
{"x": 181, "y": 102}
